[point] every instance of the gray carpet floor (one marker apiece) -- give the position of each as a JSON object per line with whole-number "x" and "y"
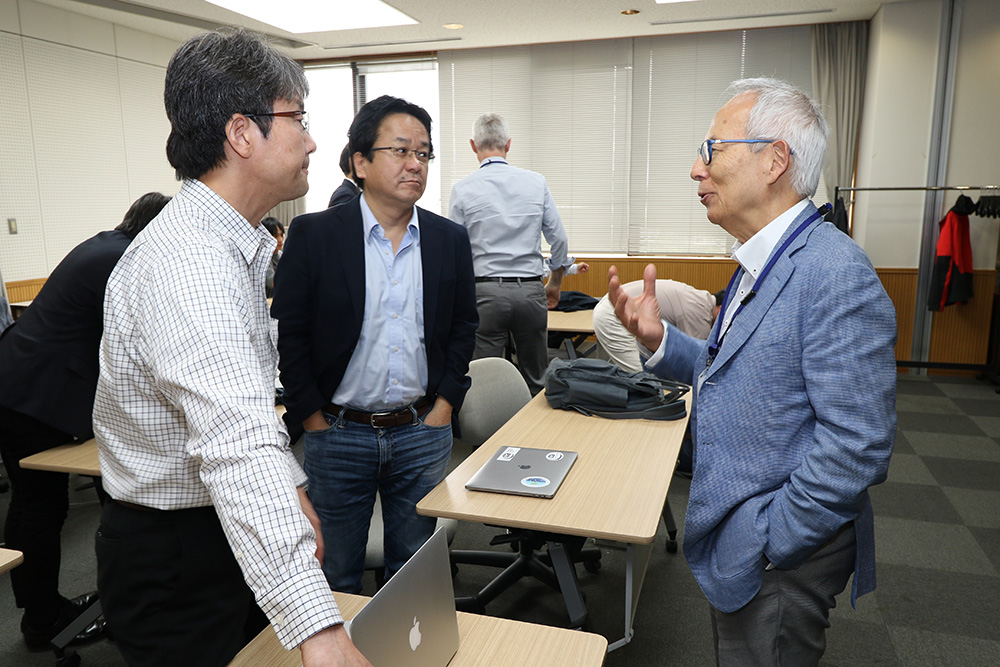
{"x": 938, "y": 541}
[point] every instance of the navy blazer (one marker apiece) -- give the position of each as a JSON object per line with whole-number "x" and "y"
{"x": 794, "y": 419}
{"x": 49, "y": 357}
{"x": 344, "y": 193}
{"x": 319, "y": 302}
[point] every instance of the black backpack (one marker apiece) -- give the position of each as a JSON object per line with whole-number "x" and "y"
{"x": 596, "y": 387}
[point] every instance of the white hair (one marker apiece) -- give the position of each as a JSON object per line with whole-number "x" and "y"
{"x": 490, "y": 132}
{"x": 782, "y": 111}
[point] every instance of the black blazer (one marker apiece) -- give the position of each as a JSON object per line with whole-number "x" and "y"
{"x": 344, "y": 193}
{"x": 49, "y": 357}
{"x": 319, "y": 302}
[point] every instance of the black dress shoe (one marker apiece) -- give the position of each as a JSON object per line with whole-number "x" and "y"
{"x": 82, "y": 602}
{"x": 39, "y": 637}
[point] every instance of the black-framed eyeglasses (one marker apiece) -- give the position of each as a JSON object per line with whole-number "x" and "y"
{"x": 706, "y": 146}
{"x": 296, "y": 115}
{"x": 402, "y": 153}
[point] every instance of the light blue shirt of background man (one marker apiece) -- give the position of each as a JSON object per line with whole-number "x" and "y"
{"x": 507, "y": 210}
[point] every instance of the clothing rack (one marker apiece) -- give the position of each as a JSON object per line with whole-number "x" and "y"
{"x": 922, "y": 317}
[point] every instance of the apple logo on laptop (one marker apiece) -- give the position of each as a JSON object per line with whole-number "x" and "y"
{"x": 415, "y": 634}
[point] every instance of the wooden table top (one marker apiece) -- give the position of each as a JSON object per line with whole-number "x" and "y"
{"x": 615, "y": 490}
{"x": 79, "y": 458}
{"x": 10, "y": 559}
{"x": 483, "y": 640}
{"x": 581, "y": 321}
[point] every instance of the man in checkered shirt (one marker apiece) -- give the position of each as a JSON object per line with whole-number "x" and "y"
{"x": 206, "y": 495}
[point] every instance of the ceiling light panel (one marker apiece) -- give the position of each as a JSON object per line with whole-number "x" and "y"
{"x": 300, "y": 16}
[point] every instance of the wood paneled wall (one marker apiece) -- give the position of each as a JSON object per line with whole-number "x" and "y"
{"x": 959, "y": 333}
{"x": 704, "y": 273}
{"x": 24, "y": 290}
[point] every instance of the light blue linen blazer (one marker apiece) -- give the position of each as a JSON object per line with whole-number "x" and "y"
{"x": 795, "y": 418}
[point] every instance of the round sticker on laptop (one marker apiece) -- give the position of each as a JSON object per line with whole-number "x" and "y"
{"x": 535, "y": 482}
{"x": 554, "y": 456}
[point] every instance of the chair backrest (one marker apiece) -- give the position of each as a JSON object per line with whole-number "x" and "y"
{"x": 498, "y": 391}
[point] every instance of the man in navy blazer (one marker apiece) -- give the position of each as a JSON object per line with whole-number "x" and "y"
{"x": 376, "y": 307}
{"x": 48, "y": 376}
{"x": 794, "y": 414}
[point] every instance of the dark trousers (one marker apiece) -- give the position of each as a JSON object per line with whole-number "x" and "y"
{"x": 170, "y": 587}
{"x": 38, "y": 504}
{"x": 520, "y": 310}
{"x": 785, "y": 623}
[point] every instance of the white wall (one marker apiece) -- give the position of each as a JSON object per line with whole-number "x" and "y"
{"x": 974, "y": 152}
{"x": 896, "y": 131}
{"x": 83, "y": 130}
{"x": 897, "y": 121}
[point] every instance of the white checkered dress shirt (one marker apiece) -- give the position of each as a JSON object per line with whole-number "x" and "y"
{"x": 184, "y": 413}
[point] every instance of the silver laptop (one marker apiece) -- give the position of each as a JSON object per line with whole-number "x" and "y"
{"x": 411, "y": 620}
{"x": 523, "y": 471}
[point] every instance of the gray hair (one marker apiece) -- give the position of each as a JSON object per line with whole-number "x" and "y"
{"x": 213, "y": 76}
{"x": 490, "y": 132}
{"x": 782, "y": 111}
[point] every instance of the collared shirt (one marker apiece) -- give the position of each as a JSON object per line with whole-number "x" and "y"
{"x": 389, "y": 366}
{"x": 751, "y": 256}
{"x": 507, "y": 210}
{"x": 184, "y": 413}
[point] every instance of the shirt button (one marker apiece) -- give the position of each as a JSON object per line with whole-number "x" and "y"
{"x": 395, "y": 381}
{"x": 395, "y": 316}
{"x": 279, "y": 620}
{"x": 395, "y": 349}
{"x": 238, "y": 554}
{"x": 395, "y": 282}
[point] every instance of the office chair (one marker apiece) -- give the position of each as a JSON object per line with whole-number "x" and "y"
{"x": 498, "y": 392}
{"x": 375, "y": 551}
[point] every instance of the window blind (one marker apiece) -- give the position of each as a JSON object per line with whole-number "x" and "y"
{"x": 614, "y": 126}
{"x": 567, "y": 107}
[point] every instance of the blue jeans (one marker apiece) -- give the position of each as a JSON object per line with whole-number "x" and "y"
{"x": 346, "y": 464}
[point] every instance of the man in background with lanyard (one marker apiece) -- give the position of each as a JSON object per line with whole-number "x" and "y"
{"x": 507, "y": 210}
{"x": 794, "y": 416}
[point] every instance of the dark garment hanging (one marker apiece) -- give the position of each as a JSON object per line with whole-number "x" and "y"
{"x": 838, "y": 215}
{"x": 951, "y": 280}
{"x": 988, "y": 206}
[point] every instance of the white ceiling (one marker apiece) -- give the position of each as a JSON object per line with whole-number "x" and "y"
{"x": 487, "y": 22}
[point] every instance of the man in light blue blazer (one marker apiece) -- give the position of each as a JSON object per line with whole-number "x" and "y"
{"x": 794, "y": 415}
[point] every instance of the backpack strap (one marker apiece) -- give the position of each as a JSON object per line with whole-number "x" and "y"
{"x": 669, "y": 412}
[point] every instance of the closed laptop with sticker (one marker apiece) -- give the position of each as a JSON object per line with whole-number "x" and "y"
{"x": 523, "y": 471}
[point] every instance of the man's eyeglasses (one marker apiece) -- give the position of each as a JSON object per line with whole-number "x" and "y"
{"x": 402, "y": 153}
{"x": 299, "y": 116}
{"x": 706, "y": 146}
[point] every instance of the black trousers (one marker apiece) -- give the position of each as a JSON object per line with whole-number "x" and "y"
{"x": 38, "y": 504}
{"x": 170, "y": 587}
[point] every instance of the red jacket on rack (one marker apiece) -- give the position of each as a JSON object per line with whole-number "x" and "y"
{"x": 951, "y": 280}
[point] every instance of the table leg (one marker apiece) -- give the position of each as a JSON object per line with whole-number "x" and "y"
{"x": 637, "y": 560}
{"x": 565, "y": 571}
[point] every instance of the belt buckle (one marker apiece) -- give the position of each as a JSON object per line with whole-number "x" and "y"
{"x": 375, "y": 415}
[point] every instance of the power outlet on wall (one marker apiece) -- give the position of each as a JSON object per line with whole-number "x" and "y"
{"x": 12, "y": 225}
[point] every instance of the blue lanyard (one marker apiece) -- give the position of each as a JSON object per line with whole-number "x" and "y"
{"x": 716, "y": 342}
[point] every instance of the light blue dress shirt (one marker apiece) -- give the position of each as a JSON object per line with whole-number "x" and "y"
{"x": 507, "y": 210}
{"x": 389, "y": 366}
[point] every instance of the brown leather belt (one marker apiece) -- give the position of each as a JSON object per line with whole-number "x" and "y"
{"x": 383, "y": 419}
